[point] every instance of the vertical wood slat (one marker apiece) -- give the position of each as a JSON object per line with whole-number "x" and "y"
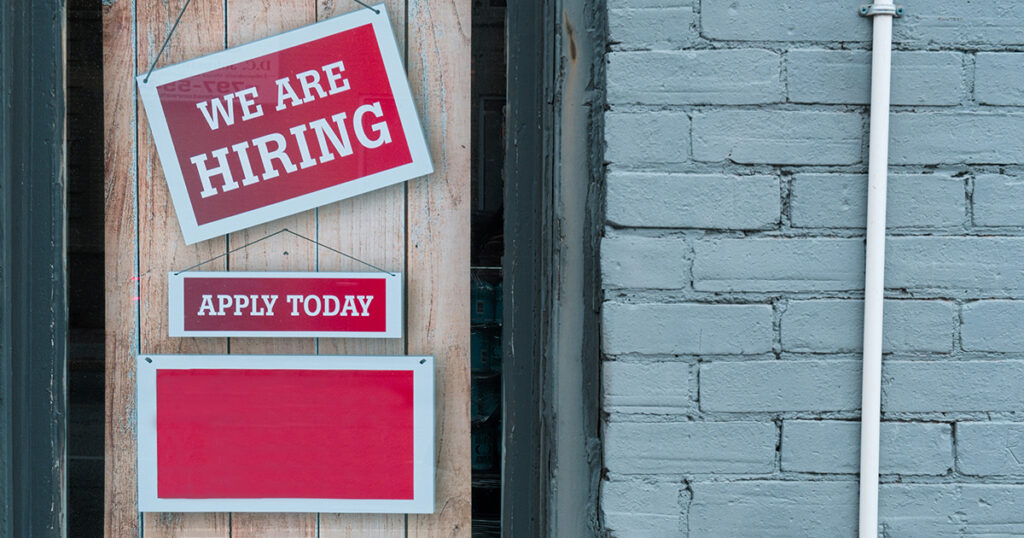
{"x": 438, "y": 247}
{"x": 370, "y": 227}
{"x": 249, "y": 20}
{"x": 374, "y": 227}
{"x": 119, "y": 492}
{"x": 161, "y": 245}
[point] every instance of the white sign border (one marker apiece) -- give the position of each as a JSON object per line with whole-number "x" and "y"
{"x": 423, "y": 435}
{"x": 176, "y": 307}
{"x": 421, "y": 164}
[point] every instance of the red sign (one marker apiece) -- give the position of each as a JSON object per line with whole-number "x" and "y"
{"x": 284, "y": 124}
{"x": 339, "y": 305}
{"x": 280, "y": 433}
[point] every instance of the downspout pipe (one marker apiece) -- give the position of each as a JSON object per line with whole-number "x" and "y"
{"x": 882, "y": 13}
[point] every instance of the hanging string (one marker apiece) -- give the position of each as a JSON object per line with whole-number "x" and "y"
{"x": 182, "y": 12}
{"x": 164, "y": 46}
{"x": 371, "y": 8}
{"x": 281, "y": 231}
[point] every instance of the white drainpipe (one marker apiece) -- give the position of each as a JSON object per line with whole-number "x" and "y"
{"x": 882, "y": 11}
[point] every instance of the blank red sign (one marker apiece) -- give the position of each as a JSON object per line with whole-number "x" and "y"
{"x": 311, "y": 434}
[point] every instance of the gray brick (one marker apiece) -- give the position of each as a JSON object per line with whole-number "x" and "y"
{"x": 690, "y": 447}
{"x": 635, "y": 508}
{"x": 644, "y": 262}
{"x": 780, "y": 385}
{"x": 778, "y": 264}
{"x": 840, "y": 201}
{"x": 952, "y": 386}
{"x": 836, "y": 325}
{"x": 687, "y": 328}
{"x": 693, "y": 201}
{"x": 659, "y": 387}
{"x": 999, "y": 78}
{"x": 767, "y": 508}
{"x": 652, "y": 29}
{"x": 956, "y": 137}
{"x": 990, "y": 448}
{"x": 637, "y": 138}
{"x": 986, "y": 264}
{"x": 795, "y": 20}
{"x": 929, "y": 510}
{"x": 831, "y": 446}
{"x": 958, "y": 22}
{"x": 998, "y": 200}
{"x": 727, "y": 76}
{"x": 844, "y": 76}
{"x": 820, "y": 508}
{"x": 993, "y": 326}
{"x": 777, "y": 136}
{"x": 650, "y": 4}
{"x": 962, "y": 23}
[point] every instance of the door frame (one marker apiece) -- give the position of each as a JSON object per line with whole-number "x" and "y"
{"x": 33, "y": 273}
{"x": 552, "y": 294}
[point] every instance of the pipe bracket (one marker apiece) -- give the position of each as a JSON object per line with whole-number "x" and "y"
{"x": 870, "y": 10}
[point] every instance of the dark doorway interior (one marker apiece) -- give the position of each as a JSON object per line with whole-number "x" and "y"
{"x": 85, "y": 267}
{"x": 488, "y": 154}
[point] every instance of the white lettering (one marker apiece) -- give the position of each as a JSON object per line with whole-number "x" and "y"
{"x": 223, "y": 301}
{"x": 219, "y": 111}
{"x": 241, "y": 301}
{"x": 268, "y": 156}
{"x": 340, "y": 141}
{"x": 350, "y": 304}
{"x": 222, "y": 169}
{"x": 381, "y": 127}
{"x": 207, "y": 305}
{"x": 285, "y": 91}
{"x": 309, "y": 301}
{"x": 328, "y": 309}
{"x": 245, "y": 100}
{"x": 364, "y": 301}
{"x": 268, "y": 301}
{"x": 294, "y": 301}
{"x": 332, "y": 77}
{"x": 310, "y": 80}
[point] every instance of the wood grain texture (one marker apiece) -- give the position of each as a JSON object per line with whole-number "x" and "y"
{"x": 161, "y": 245}
{"x": 429, "y": 242}
{"x": 438, "y": 247}
{"x": 249, "y": 20}
{"x": 370, "y": 227}
{"x": 119, "y": 493}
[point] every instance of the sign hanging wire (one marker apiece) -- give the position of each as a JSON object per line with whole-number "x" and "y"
{"x": 281, "y": 231}
{"x": 182, "y": 12}
{"x": 164, "y": 46}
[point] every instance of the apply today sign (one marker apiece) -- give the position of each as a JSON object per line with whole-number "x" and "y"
{"x": 275, "y": 305}
{"x": 285, "y": 124}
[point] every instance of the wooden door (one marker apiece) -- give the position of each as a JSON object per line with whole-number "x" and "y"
{"x": 420, "y": 228}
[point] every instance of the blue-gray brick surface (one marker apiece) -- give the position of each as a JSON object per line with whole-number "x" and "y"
{"x": 913, "y": 201}
{"x": 726, "y": 77}
{"x": 690, "y": 447}
{"x": 708, "y": 201}
{"x": 829, "y": 446}
{"x": 844, "y": 77}
{"x": 736, "y": 156}
{"x": 836, "y": 325}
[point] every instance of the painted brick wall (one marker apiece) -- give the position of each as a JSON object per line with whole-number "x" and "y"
{"x": 736, "y": 142}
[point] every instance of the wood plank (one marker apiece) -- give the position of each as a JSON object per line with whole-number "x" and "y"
{"x": 438, "y": 247}
{"x": 161, "y": 246}
{"x": 249, "y": 20}
{"x": 119, "y": 493}
{"x": 370, "y": 227}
